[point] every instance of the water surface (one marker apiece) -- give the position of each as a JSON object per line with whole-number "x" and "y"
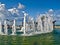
{"x": 42, "y": 39}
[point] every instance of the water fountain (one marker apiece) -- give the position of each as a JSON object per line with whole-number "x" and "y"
{"x": 42, "y": 25}
{"x": 5, "y": 28}
{"x": 24, "y": 24}
{"x": 0, "y": 28}
{"x": 46, "y": 25}
{"x": 27, "y": 29}
{"x": 33, "y": 26}
{"x": 13, "y": 28}
{"x": 50, "y": 23}
{"x": 39, "y": 26}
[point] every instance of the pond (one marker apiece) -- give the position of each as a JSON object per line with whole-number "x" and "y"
{"x": 52, "y": 38}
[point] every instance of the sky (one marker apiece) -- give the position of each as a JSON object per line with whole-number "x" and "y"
{"x": 34, "y": 7}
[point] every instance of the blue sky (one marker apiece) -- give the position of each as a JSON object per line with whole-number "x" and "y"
{"x": 34, "y": 7}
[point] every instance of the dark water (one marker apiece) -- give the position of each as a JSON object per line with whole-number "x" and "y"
{"x": 42, "y": 39}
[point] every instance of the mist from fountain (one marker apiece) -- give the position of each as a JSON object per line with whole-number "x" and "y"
{"x": 0, "y": 28}
{"x": 13, "y": 28}
{"x": 39, "y": 26}
{"x": 5, "y": 28}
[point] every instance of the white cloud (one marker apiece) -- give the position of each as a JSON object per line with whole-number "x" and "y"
{"x": 50, "y": 10}
{"x": 2, "y": 16}
{"x": 14, "y": 11}
{"x": 2, "y": 6}
{"x": 20, "y": 6}
{"x": 57, "y": 12}
{"x": 3, "y": 12}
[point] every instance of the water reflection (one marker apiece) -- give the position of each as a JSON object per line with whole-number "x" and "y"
{"x": 44, "y": 39}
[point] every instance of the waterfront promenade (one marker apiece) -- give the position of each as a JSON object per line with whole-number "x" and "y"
{"x": 57, "y": 26}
